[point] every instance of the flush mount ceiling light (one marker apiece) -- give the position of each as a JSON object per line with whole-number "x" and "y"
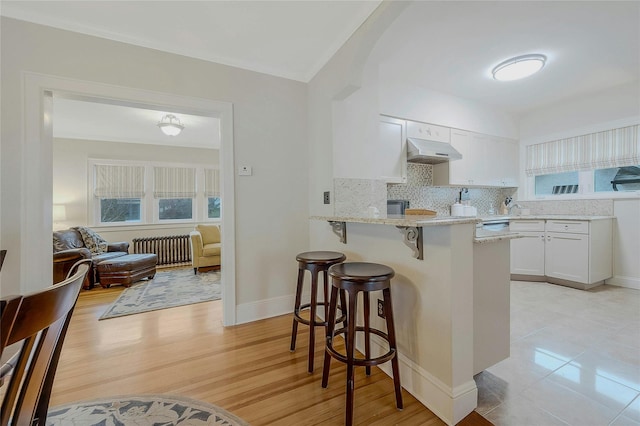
{"x": 170, "y": 125}
{"x": 519, "y": 67}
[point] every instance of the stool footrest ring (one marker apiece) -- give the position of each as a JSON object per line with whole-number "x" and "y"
{"x": 296, "y": 315}
{"x": 360, "y": 361}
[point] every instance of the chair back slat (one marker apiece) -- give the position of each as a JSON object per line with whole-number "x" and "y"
{"x": 41, "y": 324}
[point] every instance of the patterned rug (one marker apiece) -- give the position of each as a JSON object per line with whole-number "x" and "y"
{"x": 168, "y": 289}
{"x": 145, "y": 410}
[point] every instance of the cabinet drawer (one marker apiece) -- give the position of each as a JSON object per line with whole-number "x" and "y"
{"x": 572, "y": 226}
{"x": 526, "y": 225}
{"x": 428, "y": 131}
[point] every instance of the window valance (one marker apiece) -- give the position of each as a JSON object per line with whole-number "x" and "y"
{"x": 118, "y": 181}
{"x": 174, "y": 182}
{"x": 211, "y": 183}
{"x": 611, "y": 148}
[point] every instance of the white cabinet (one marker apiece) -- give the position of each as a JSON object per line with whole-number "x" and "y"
{"x": 570, "y": 252}
{"x": 392, "y": 150}
{"x": 486, "y": 161}
{"x": 428, "y": 131}
{"x": 567, "y": 256}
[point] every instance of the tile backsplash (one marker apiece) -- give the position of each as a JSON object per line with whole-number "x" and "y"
{"x": 600, "y": 207}
{"x": 353, "y": 197}
{"x": 422, "y": 195}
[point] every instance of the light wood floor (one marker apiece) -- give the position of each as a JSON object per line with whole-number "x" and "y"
{"x": 246, "y": 369}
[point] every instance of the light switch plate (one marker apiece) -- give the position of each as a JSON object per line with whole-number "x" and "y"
{"x": 245, "y": 171}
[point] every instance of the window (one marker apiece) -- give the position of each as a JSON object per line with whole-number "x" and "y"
{"x": 119, "y": 190}
{"x": 557, "y": 183}
{"x": 592, "y": 163}
{"x": 617, "y": 179}
{"x": 146, "y": 193}
{"x": 120, "y": 210}
{"x": 174, "y": 188}
{"x": 212, "y": 192}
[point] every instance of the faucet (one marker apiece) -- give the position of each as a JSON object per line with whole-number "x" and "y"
{"x": 516, "y": 205}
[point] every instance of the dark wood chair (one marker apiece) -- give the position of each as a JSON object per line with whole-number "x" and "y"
{"x": 3, "y": 254}
{"x": 40, "y": 325}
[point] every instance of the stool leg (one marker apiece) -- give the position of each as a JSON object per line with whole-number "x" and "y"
{"x": 367, "y": 339}
{"x": 325, "y": 277}
{"x": 391, "y": 332}
{"x": 312, "y": 318}
{"x": 329, "y": 332}
{"x": 351, "y": 343}
{"x": 343, "y": 306}
{"x": 296, "y": 309}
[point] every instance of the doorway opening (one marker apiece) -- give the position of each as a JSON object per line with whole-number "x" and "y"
{"x": 40, "y": 115}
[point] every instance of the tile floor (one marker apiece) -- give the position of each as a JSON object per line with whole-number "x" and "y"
{"x": 575, "y": 359}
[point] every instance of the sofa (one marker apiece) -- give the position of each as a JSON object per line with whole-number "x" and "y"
{"x": 69, "y": 246}
{"x": 205, "y": 246}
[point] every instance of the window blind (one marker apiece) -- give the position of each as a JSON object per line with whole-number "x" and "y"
{"x": 113, "y": 181}
{"x": 211, "y": 183}
{"x": 611, "y": 148}
{"x": 174, "y": 182}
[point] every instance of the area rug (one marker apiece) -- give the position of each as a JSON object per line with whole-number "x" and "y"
{"x": 144, "y": 410}
{"x": 168, "y": 289}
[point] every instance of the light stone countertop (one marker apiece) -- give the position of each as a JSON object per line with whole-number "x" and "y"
{"x": 402, "y": 220}
{"x": 546, "y": 217}
{"x": 481, "y": 235}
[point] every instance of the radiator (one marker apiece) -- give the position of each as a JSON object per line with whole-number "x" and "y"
{"x": 171, "y": 250}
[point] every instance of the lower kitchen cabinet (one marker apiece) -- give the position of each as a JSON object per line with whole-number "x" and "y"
{"x": 576, "y": 253}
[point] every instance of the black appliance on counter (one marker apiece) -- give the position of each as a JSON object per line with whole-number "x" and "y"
{"x": 397, "y": 206}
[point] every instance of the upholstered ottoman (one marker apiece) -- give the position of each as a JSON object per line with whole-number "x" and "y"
{"x": 127, "y": 269}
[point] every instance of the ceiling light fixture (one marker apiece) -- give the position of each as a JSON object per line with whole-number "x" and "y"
{"x": 519, "y": 67}
{"x": 170, "y": 125}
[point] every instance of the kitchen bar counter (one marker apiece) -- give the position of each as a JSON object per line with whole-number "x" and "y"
{"x": 451, "y": 306}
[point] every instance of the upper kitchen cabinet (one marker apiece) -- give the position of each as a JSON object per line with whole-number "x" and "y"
{"x": 486, "y": 161}
{"x": 392, "y": 164}
{"x": 428, "y": 132}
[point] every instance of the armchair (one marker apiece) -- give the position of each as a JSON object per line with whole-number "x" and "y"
{"x": 205, "y": 246}
{"x": 69, "y": 246}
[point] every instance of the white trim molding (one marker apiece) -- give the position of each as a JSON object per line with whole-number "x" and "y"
{"x": 37, "y": 168}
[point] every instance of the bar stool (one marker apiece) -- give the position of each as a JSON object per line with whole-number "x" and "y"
{"x": 314, "y": 262}
{"x": 355, "y": 277}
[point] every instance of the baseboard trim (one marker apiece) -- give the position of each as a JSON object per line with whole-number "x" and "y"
{"x": 262, "y": 309}
{"x": 621, "y": 281}
{"x": 451, "y": 405}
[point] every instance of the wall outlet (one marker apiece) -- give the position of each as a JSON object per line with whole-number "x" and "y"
{"x": 327, "y": 200}
{"x": 381, "y": 308}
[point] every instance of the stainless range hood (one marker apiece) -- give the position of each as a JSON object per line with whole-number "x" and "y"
{"x": 430, "y": 152}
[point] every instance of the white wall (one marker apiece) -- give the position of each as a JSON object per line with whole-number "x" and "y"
{"x": 270, "y": 130}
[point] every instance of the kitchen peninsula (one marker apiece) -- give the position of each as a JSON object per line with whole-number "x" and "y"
{"x": 450, "y": 298}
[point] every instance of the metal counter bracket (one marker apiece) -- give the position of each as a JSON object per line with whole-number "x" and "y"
{"x": 413, "y": 239}
{"x": 340, "y": 229}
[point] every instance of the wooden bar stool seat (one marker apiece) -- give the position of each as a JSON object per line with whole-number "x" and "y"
{"x": 354, "y": 278}
{"x": 314, "y": 262}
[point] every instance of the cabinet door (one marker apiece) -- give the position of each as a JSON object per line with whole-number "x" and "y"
{"x": 503, "y": 156}
{"x": 567, "y": 256}
{"x": 392, "y": 151}
{"x": 461, "y": 171}
{"x": 527, "y": 254}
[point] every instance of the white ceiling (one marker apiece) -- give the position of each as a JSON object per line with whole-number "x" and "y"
{"x": 81, "y": 119}
{"x": 448, "y": 46}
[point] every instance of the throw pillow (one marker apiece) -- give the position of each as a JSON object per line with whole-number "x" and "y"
{"x": 94, "y": 242}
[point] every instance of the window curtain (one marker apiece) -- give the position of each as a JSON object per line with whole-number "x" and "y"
{"x": 174, "y": 182}
{"x": 113, "y": 181}
{"x": 611, "y": 148}
{"x": 211, "y": 183}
